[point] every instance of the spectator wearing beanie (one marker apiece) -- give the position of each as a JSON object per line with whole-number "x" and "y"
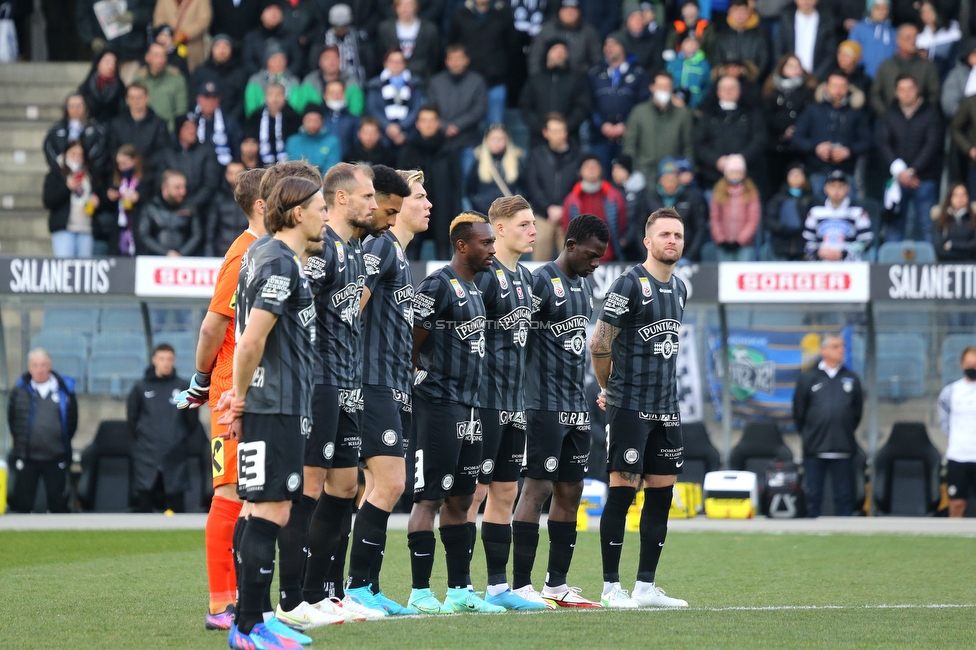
{"x": 271, "y": 30}
{"x": 555, "y": 89}
{"x": 785, "y": 213}
{"x": 356, "y": 59}
{"x": 876, "y": 36}
{"x": 849, "y": 62}
{"x": 734, "y": 213}
{"x": 215, "y": 125}
{"x": 837, "y": 229}
{"x": 314, "y": 143}
{"x": 275, "y": 72}
{"x": 225, "y": 70}
{"x": 641, "y": 38}
{"x": 671, "y": 192}
{"x": 583, "y": 42}
{"x": 633, "y": 187}
{"x": 189, "y": 20}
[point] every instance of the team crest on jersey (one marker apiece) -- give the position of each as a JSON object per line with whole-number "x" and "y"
{"x": 502, "y": 280}
{"x": 681, "y": 301}
{"x": 557, "y": 287}
{"x": 458, "y": 289}
{"x": 372, "y": 263}
{"x": 847, "y": 383}
{"x": 518, "y": 292}
{"x": 666, "y": 348}
{"x": 399, "y": 251}
{"x": 340, "y": 253}
{"x": 645, "y": 287}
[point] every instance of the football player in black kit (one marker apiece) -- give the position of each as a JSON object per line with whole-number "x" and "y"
{"x": 337, "y": 277}
{"x": 270, "y": 406}
{"x": 387, "y": 344}
{"x": 634, "y": 350}
{"x": 506, "y": 289}
{"x": 448, "y": 352}
{"x": 558, "y": 436}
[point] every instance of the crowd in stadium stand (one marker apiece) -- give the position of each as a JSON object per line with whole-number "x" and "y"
{"x": 779, "y": 129}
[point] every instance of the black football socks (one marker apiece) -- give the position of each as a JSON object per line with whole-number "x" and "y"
{"x": 613, "y": 522}
{"x": 653, "y": 530}
{"x": 562, "y": 541}
{"x": 291, "y": 543}
{"x": 257, "y": 571}
{"x": 421, "y": 544}
{"x": 324, "y": 531}
{"x": 368, "y": 540}
{"x": 525, "y": 543}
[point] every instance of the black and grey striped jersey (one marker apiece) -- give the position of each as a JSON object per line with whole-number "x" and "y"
{"x": 271, "y": 279}
{"x": 338, "y": 275}
{"x": 508, "y": 307}
{"x": 388, "y": 318}
{"x": 556, "y": 365}
{"x": 645, "y": 352}
{"x": 452, "y": 357}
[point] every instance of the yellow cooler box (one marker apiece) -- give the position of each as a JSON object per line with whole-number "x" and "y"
{"x": 731, "y": 495}
{"x": 687, "y": 501}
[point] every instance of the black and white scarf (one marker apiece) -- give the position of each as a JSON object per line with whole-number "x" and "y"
{"x": 218, "y": 138}
{"x": 270, "y": 155}
{"x": 396, "y": 94}
{"x": 349, "y": 61}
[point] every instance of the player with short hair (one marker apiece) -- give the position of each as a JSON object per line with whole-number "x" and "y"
{"x": 387, "y": 340}
{"x": 448, "y": 352}
{"x": 269, "y": 407}
{"x": 634, "y": 350}
{"x": 558, "y": 435}
{"x": 506, "y": 290}
{"x": 215, "y": 352}
{"x": 324, "y": 515}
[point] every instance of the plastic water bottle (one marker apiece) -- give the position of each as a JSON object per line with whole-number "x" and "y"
{"x": 3, "y": 486}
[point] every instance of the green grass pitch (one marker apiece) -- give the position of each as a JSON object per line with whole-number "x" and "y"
{"x": 148, "y": 590}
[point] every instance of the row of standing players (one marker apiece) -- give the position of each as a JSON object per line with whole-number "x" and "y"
{"x": 482, "y": 353}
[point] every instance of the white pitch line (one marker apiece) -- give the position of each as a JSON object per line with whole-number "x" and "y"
{"x": 774, "y": 608}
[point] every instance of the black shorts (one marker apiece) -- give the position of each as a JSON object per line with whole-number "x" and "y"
{"x": 335, "y": 438}
{"x": 503, "y": 449}
{"x": 961, "y": 479}
{"x": 386, "y": 418}
{"x": 648, "y": 443}
{"x": 448, "y": 454}
{"x": 269, "y": 457}
{"x": 557, "y": 446}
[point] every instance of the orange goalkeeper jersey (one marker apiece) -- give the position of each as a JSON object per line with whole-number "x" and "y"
{"x": 222, "y": 377}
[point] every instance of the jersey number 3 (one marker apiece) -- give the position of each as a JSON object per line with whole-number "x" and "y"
{"x": 250, "y": 464}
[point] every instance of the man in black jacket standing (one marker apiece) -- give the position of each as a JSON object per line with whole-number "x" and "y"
{"x": 43, "y": 416}
{"x": 557, "y": 89}
{"x": 827, "y": 405}
{"x": 197, "y": 161}
{"x": 160, "y": 430}
{"x": 140, "y": 127}
{"x": 487, "y": 30}
{"x": 550, "y": 175}
{"x": 168, "y": 225}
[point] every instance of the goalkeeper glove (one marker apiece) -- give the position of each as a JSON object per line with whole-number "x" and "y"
{"x": 198, "y": 393}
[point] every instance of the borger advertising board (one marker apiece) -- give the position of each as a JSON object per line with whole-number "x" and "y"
{"x": 793, "y": 282}
{"x": 176, "y": 277}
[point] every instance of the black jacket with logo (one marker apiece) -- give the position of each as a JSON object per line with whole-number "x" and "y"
{"x": 827, "y": 411}
{"x": 160, "y": 432}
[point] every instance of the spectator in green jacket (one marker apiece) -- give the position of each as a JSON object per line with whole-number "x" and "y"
{"x": 690, "y": 71}
{"x": 314, "y": 143}
{"x": 657, "y": 129}
{"x": 314, "y": 83}
{"x": 275, "y": 71}
{"x": 166, "y": 86}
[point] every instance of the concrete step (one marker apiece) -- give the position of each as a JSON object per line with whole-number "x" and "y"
{"x": 22, "y": 183}
{"x": 27, "y": 247}
{"x": 24, "y": 135}
{"x": 45, "y": 114}
{"x": 36, "y": 94}
{"x": 59, "y": 72}
{"x": 12, "y": 201}
{"x": 22, "y": 160}
{"x": 23, "y": 226}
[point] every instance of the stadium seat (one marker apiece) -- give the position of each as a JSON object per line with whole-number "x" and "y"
{"x": 952, "y": 347}
{"x": 115, "y": 373}
{"x": 906, "y": 472}
{"x": 701, "y": 456}
{"x": 121, "y": 319}
{"x": 901, "y": 362}
{"x": 899, "y": 252}
{"x": 80, "y": 320}
{"x": 170, "y": 320}
{"x": 858, "y": 354}
{"x": 106, "y": 474}
{"x": 760, "y": 445}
